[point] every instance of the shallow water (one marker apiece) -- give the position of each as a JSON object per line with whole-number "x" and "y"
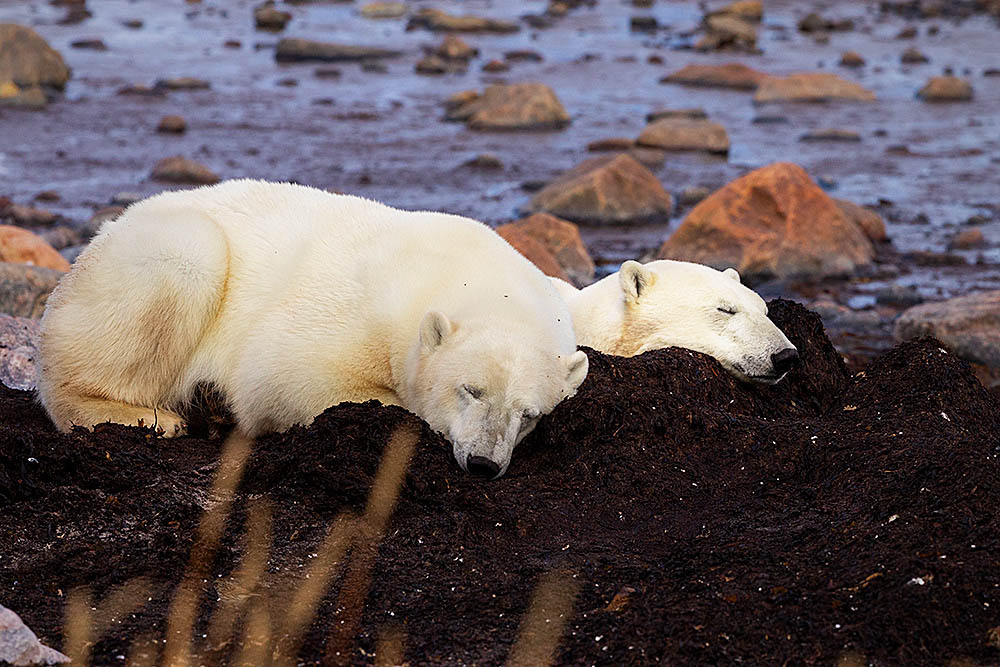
{"x": 381, "y": 134}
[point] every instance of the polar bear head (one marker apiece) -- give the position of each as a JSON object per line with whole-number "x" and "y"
{"x": 484, "y": 387}
{"x": 668, "y": 303}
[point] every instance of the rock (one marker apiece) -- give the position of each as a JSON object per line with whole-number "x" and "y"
{"x": 384, "y": 10}
{"x": 141, "y": 89}
{"x": 299, "y": 50}
{"x": 898, "y": 296}
{"x": 29, "y": 216}
{"x": 852, "y": 59}
{"x": 60, "y": 236}
{"x": 945, "y": 89}
{"x": 183, "y": 83}
{"x": 178, "y": 169}
{"x": 268, "y": 17}
{"x": 92, "y": 44}
{"x": 455, "y": 48}
{"x": 460, "y": 99}
{"x": 18, "y": 644}
{"x": 172, "y": 124}
{"x": 519, "y": 106}
{"x": 774, "y": 222}
{"x": 19, "y": 246}
{"x": 731, "y": 75}
{"x": 611, "y": 144}
{"x": 48, "y": 195}
{"x": 913, "y": 56}
{"x": 374, "y": 66}
{"x": 606, "y": 190}
{"x": 133, "y": 24}
{"x": 436, "y": 65}
{"x": 437, "y": 20}
{"x": 685, "y": 134}
{"x": 101, "y": 216}
{"x": 969, "y": 325}
{"x": 967, "y": 239}
{"x": 27, "y": 60}
{"x": 326, "y": 73}
{"x": 908, "y": 32}
{"x": 18, "y": 370}
{"x": 728, "y": 31}
{"x": 831, "y": 135}
{"x": 748, "y": 10}
{"x": 660, "y": 114}
{"x": 523, "y": 55}
{"x": 15, "y": 97}
{"x": 868, "y": 221}
{"x": 653, "y": 158}
{"x": 24, "y": 288}
{"x": 815, "y": 23}
{"x": 534, "y": 251}
{"x": 810, "y": 87}
{"x": 562, "y": 239}
{"x": 484, "y": 161}
{"x": 693, "y": 194}
{"x": 643, "y": 23}
{"x": 496, "y": 66}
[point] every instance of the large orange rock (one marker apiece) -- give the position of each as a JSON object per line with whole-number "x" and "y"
{"x": 19, "y": 246}
{"x": 534, "y": 250}
{"x": 606, "y": 190}
{"x": 562, "y": 239}
{"x": 773, "y": 222}
{"x": 810, "y": 87}
{"x": 730, "y": 75}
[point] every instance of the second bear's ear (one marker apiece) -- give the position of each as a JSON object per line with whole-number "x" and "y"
{"x": 732, "y": 273}
{"x": 634, "y": 278}
{"x": 434, "y": 328}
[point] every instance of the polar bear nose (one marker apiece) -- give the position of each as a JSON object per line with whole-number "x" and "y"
{"x": 785, "y": 360}
{"x": 480, "y": 466}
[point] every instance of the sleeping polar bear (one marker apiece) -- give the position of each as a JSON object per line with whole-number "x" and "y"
{"x": 679, "y": 304}
{"x": 290, "y": 299}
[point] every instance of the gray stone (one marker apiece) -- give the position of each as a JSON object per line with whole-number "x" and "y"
{"x": 20, "y": 647}
{"x": 18, "y": 352}
{"x": 297, "y": 50}
{"x": 24, "y": 288}
{"x": 969, "y": 325}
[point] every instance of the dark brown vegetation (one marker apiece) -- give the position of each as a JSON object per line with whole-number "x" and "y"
{"x": 683, "y": 515}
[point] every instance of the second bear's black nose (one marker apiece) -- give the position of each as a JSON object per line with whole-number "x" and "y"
{"x": 785, "y": 360}
{"x": 480, "y": 466}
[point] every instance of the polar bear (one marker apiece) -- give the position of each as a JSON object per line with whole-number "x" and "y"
{"x": 680, "y": 304}
{"x": 288, "y": 299}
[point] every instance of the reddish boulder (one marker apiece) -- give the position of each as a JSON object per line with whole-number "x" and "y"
{"x": 562, "y": 239}
{"x": 534, "y": 250}
{"x": 19, "y": 246}
{"x": 730, "y": 75}
{"x": 773, "y": 222}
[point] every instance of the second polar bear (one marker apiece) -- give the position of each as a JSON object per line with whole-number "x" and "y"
{"x": 680, "y": 304}
{"x": 289, "y": 299}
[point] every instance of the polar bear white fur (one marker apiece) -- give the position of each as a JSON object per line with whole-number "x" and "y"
{"x": 680, "y": 304}
{"x": 288, "y": 300}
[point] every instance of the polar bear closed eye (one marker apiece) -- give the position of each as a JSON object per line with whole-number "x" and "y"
{"x": 680, "y": 304}
{"x": 288, "y": 299}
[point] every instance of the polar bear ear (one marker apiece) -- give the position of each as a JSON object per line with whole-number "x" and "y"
{"x": 732, "y": 273}
{"x": 434, "y": 328}
{"x": 634, "y": 278}
{"x": 576, "y": 370}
